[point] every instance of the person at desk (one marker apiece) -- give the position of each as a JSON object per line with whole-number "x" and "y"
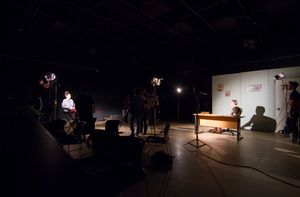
{"x": 236, "y": 110}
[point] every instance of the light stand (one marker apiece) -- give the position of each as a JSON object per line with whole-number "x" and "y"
{"x": 178, "y": 102}
{"x": 155, "y": 82}
{"x": 197, "y": 143}
{"x": 281, "y": 76}
{"x": 51, "y": 80}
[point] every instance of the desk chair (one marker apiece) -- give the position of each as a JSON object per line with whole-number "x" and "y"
{"x": 160, "y": 139}
{"x": 230, "y": 130}
{"x": 113, "y": 126}
{"x": 117, "y": 162}
{"x": 74, "y": 130}
{"x": 70, "y": 115}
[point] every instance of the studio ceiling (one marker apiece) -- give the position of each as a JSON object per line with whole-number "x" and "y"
{"x": 131, "y": 34}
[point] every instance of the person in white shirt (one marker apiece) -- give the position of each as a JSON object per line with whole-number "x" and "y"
{"x": 68, "y": 104}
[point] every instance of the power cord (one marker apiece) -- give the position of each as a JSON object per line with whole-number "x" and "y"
{"x": 252, "y": 168}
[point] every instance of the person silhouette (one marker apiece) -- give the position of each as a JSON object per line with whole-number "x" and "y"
{"x": 85, "y": 107}
{"x": 259, "y": 122}
{"x": 136, "y": 110}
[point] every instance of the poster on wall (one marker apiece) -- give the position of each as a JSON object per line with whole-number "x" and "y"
{"x": 220, "y": 87}
{"x": 254, "y": 88}
{"x": 227, "y": 93}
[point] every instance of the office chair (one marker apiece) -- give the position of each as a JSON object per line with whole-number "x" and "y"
{"x": 230, "y": 130}
{"x": 113, "y": 126}
{"x": 159, "y": 139}
{"x": 73, "y": 129}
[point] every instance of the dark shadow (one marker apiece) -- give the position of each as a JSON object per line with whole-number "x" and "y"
{"x": 259, "y": 122}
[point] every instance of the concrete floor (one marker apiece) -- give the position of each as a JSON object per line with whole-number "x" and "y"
{"x": 262, "y": 164}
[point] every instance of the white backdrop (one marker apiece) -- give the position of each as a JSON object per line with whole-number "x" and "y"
{"x": 251, "y": 89}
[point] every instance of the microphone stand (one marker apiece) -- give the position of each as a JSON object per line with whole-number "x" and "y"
{"x": 197, "y": 143}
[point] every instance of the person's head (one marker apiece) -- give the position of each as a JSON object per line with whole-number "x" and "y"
{"x": 260, "y": 110}
{"x": 234, "y": 103}
{"x": 292, "y": 85}
{"x": 67, "y": 94}
{"x": 41, "y": 82}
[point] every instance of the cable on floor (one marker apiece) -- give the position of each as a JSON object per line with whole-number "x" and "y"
{"x": 167, "y": 177}
{"x": 252, "y": 168}
{"x": 166, "y": 182}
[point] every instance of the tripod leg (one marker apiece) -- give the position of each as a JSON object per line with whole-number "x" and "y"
{"x": 197, "y": 143}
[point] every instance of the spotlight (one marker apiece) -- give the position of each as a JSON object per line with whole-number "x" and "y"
{"x": 156, "y": 81}
{"x": 50, "y": 76}
{"x": 279, "y": 76}
{"x": 178, "y": 90}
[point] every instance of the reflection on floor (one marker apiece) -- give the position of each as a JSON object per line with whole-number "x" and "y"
{"x": 262, "y": 164}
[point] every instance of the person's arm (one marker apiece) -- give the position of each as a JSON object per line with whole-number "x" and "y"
{"x": 72, "y": 104}
{"x": 246, "y": 125}
{"x": 292, "y": 103}
{"x": 63, "y": 104}
{"x": 249, "y": 123}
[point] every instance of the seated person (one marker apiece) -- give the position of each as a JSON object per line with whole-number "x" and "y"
{"x": 68, "y": 104}
{"x": 236, "y": 110}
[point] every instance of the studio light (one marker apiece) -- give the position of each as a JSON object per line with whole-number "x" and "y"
{"x": 179, "y": 90}
{"x": 156, "y": 81}
{"x": 279, "y": 76}
{"x": 50, "y": 76}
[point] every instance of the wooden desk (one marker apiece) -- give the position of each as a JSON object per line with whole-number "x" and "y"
{"x": 216, "y": 120}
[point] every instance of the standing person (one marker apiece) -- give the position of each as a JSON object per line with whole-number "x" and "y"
{"x": 125, "y": 108}
{"x": 293, "y": 110}
{"x": 85, "y": 106}
{"x": 145, "y": 116}
{"x": 41, "y": 103}
{"x": 136, "y": 109}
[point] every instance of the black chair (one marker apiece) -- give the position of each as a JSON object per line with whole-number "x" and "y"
{"x": 70, "y": 115}
{"x": 160, "y": 139}
{"x": 74, "y": 129}
{"x": 113, "y": 126}
{"x": 230, "y": 130}
{"x": 117, "y": 161}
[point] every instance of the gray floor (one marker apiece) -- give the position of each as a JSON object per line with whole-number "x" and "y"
{"x": 262, "y": 164}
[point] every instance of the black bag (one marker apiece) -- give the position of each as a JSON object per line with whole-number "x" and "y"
{"x": 161, "y": 162}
